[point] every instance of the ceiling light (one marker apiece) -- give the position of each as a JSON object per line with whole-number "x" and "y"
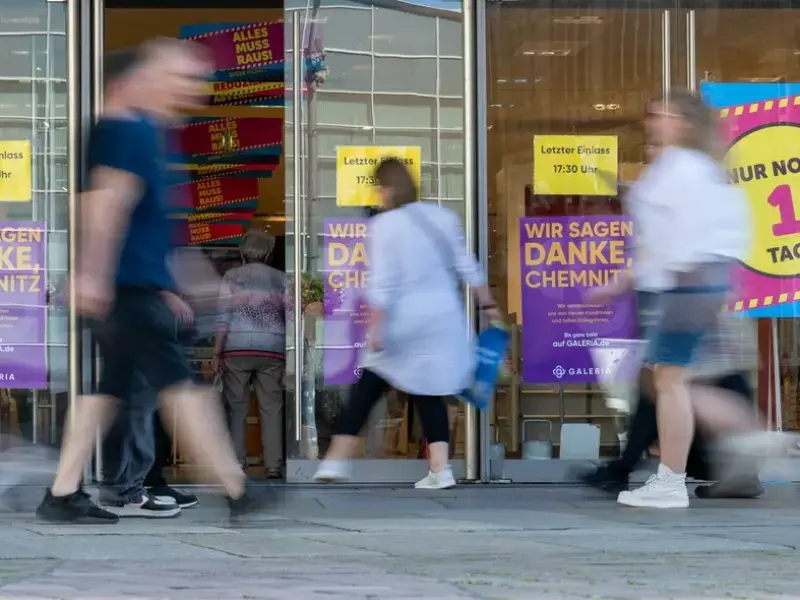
{"x": 605, "y": 107}
{"x": 585, "y": 20}
{"x": 558, "y": 53}
{"x": 778, "y": 79}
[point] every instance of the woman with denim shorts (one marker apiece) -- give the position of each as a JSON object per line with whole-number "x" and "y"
{"x": 691, "y": 225}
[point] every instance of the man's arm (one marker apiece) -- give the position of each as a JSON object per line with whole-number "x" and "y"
{"x": 105, "y": 213}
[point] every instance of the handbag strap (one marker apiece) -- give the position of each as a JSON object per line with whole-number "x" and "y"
{"x": 438, "y": 237}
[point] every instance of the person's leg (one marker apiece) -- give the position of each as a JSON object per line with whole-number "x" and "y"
{"x": 366, "y": 393}
{"x": 436, "y": 427}
{"x": 642, "y": 433}
{"x": 236, "y": 391}
{"x": 126, "y": 496}
{"x": 155, "y": 482}
{"x": 269, "y": 391}
{"x": 744, "y": 483}
{"x": 163, "y": 449}
{"x": 65, "y": 500}
{"x": 193, "y": 412}
{"x": 670, "y": 351}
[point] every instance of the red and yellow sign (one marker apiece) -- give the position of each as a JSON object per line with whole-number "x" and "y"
{"x": 216, "y": 193}
{"x": 220, "y": 136}
{"x": 227, "y": 93}
{"x": 214, "y": 228}
{"x": 245, "y": 47}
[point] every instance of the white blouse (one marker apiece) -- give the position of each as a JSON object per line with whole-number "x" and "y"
{"x": 415, "y": 275}
{"x": 685, "y": 212}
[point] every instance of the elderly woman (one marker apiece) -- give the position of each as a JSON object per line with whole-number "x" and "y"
{"x": 250, "y": 347}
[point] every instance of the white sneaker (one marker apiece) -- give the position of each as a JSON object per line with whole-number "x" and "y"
{"x": 145, "y": 507}
{"x": 332, "y": 471}
{"x": 443, "y": 480}
{"x": 663, "y": 490}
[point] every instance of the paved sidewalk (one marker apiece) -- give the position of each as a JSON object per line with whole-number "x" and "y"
{"x": 496, "y": 542}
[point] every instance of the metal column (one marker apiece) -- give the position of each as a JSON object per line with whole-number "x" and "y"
{"x": 691, "y": 51}
{"x": 297, "y": 132}
{"x": 666, "y": 55}
{"x": 482, "y": 189}
{"x": 469, "y": 34}
{"x": 74, "y": 156}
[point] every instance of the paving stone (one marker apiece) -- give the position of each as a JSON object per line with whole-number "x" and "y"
{"x": 515, "y": 543}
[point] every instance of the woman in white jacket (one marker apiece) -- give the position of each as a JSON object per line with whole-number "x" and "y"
{"x": 417, "y": 341}
{"x": 691, "y": 225}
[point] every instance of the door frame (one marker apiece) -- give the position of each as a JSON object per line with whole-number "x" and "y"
{"x": 678, "y": 57}
{"x": 301, "y": 470}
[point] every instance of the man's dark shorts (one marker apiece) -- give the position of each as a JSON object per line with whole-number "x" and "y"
{"x": 140, "y": 338}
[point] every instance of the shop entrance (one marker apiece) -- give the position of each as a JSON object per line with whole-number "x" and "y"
{"x": 270, "y": 149}
{"x": 560, "y": 71}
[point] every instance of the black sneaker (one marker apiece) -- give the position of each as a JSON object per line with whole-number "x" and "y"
{"x": 252, "y": 500}
{"x": 183, "y": 500}
{"x": 740, "y": 488}
{"x": 75, "y": 508}
{"x": 143, "y": 507}
{"x": 604, "y": 479}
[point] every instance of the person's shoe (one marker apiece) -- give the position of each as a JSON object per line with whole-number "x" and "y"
{"x": 143, "y": 507}
{"x": 332, "y": 470}
{"x": 443, "y": 480}
{"x": 274, "y": 473}
{"x": 165, "y": 492}
{"x": 739, "y": 488}
{"x": 663, "y": 490}
{"x": 604, "y": 479}
{"x": 252, "y": 500}
{"x": 76, "y": 508}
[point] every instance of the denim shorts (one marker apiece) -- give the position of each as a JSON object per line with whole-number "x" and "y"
{"x": 140, "y": 345}
{"x": 687, "y": 314}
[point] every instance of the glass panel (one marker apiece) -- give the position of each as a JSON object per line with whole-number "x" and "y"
{"x": 405, "y": 75}
{"x": 569, "y": 73}
{"x": 251, "y": 200}
{"x": 33, "y": 203}
{"x": 396, "y": 116}
{"x": 765, "y": 63}
{"x": 405, "y": 111}
{"x": 348, "y": 72}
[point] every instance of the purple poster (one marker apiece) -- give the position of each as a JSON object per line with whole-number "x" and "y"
{"x": 345, "y": 272}
{"x": 561, "y": 258}
{"x": 23, "y": 305}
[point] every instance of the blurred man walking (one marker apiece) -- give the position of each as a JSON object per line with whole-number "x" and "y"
{"x": 123, "y": 283}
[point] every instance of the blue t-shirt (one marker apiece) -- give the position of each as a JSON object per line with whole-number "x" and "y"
{"x": 138, "y": 146}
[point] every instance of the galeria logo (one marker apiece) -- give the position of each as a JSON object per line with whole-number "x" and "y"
{"x": 559, "y": 372}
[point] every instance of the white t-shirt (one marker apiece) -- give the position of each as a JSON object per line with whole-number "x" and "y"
{"x": 685, "y": 212}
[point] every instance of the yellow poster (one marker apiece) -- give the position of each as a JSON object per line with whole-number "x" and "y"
{"x": 355, "y": 171}
{"x": 583, "y": 165}
{"x": 15, "y": 171}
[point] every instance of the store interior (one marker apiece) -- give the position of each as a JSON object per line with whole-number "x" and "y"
{"x": 591, "y": 71}
{"x": 548, "y": 71}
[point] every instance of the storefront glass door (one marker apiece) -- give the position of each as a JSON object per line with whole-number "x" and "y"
{"x": 566, "y": 87}
{"x": 747, "y": 54}
{"x": 373, "y": 79}
{"x": 36, "y": 137}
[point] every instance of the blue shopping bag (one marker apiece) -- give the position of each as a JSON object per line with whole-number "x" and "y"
{"x": 491, "y": 353}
